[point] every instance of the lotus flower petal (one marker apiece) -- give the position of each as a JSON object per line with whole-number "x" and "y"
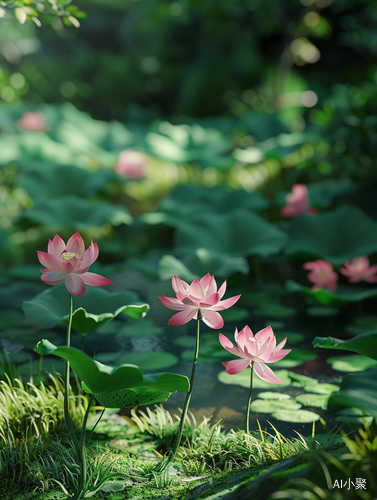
{"x": 56, "y": 246}
{"x": 236, "y": 366}
{"x": 76, "y": 244}
{"x": 182, "y": 317}
{"x": 75, "y": 284}
{"x": 265, "y": 373}
{"x": 94, "y": 279}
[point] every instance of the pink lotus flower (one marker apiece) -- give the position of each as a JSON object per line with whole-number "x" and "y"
{"x": 297, "y": 202}
{"x": 200, "y": 296}
{"x": 322, "y": 275}
{"x": 256, "y": 350}
{"x": 359, "y": 270}
{"x": 32, "y": 121}
{"x": 131, "y": 164}
{"x": 70, "y": 263}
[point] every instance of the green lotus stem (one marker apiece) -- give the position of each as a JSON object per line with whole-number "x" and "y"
{"x": 67, "y": 420}
{"x": 178, "y": 438}
{"x": 82, "y": 342}
{"x": 249, "y": 400}
{"x": 82, "y": 446}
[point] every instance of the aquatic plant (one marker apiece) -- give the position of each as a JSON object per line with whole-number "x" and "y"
{"x": 200, "y": 300}
{"x": 254, "y": 351}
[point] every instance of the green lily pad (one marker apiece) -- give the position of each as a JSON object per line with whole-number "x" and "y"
{"x": 365, "y": 344}
{"x": 344, "y": 294}
{"x": 296, "y": 416}
{"x": 243, "y": 379}
{"x": 327, "y": 236}
{"x": 121, "y": 387}
{"x": 149, "y": 360}
{"x": 352, "y": 363}
{"x": 51, "y": 307}
{"x": 358, "y": 390}
{"x": 311, "y": 384}
{"x": 296, "y": 357}
{"x": 135, "y": 328}
{"x": 184, "y": 341}
{"x": 317, "y": 400}
{"x": 221, "y": 234}
{"x": 272, "y": 405}
{"x": 75, "y": 212}
{"x": 274, "y": 395}
{"x": 322, "y": 311}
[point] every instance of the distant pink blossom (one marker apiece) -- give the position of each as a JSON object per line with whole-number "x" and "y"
{"x": 131, "y": 164}
{"x": 70, "y": 263}
{"x": 322, "y": 275}
{"x": 297, "y": 203}
{"x": 200, "y": 296}
{"x": 258, "y": 349}
{"x": 33, "y": 121}
{"x": 359, "y": 270}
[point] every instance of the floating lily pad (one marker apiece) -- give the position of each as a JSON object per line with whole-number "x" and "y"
{"x": 365, "y": 344}
{"x": 135, "y": 328}
{"x": 74, "y": 212}
{"x": 352, "y": 363}
{"x": 121, "y": 387}
{"x": 274, "y": 395}
{"x": 344, "y": 294}
{"x": 243, "y": 379}
{"x": 317, "y": 400}
{"x": 51, "y": 307}
{"x": 272, "y": 405}
{"x": 327, "y": 236}
{"x": 322, "y": 311}
{"x": 311, "y": 384}
{"x": 297, "y": 416}
{"x": 221, "y": 234}
{"x": 149, "y": 360}
{"x": 296, "y": 357}
{"x": 184, "y": 341}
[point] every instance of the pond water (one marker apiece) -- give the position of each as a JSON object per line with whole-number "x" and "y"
{"x": 155, "y": 346}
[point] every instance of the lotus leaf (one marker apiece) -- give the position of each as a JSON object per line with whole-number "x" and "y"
{"x": 327, "y": 236}
{"x": 124, "y": 386}
{"x": 51, "y": 307}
